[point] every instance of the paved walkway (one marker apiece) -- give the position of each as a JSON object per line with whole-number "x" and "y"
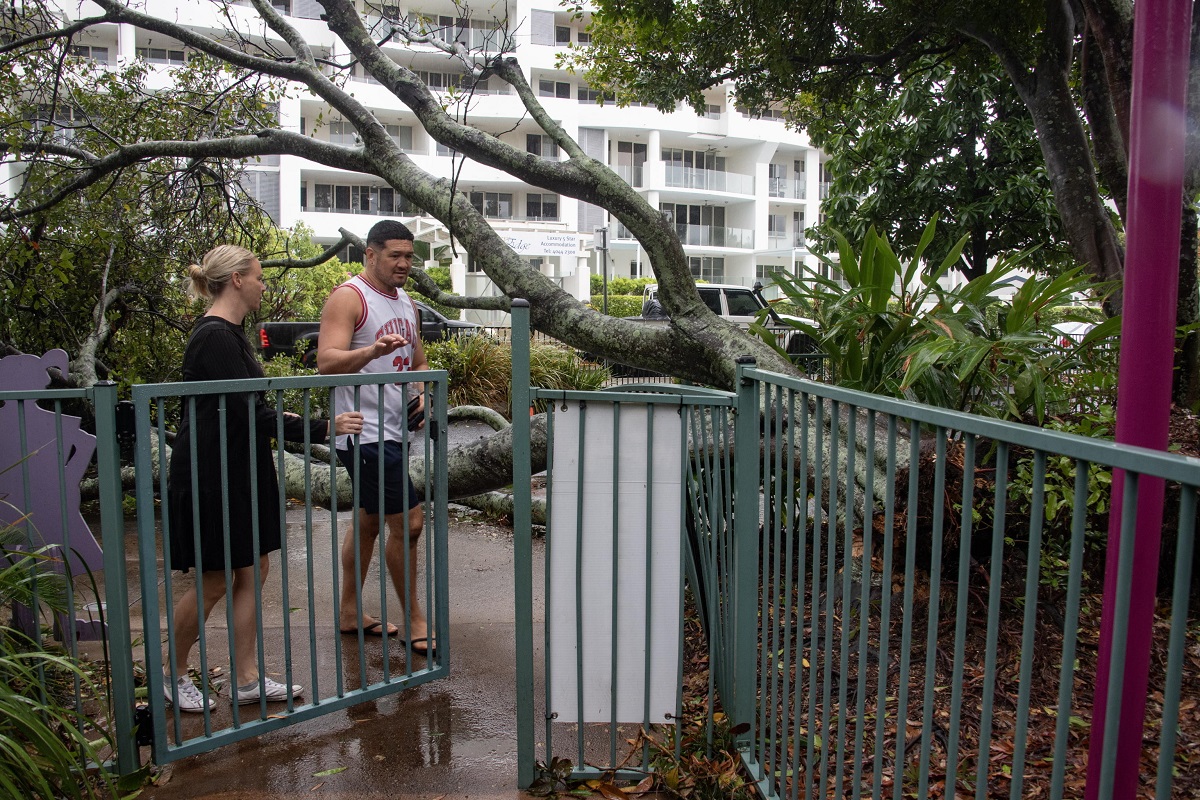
{"x": 453, "y": 738}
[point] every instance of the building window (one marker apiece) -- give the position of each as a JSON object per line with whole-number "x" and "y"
{"x": 631, "y": 160}
{"x": 445, "y": 150}
{"x": 160, "y": 55}
{"x": 561, "y": 89}
{"x": 693, "y": 159}
{"x": 541, "y": 206}
{"x": 497, "y": 205}
{"x": 776, "y": 226}
{"x": 767, "y": 272}
{"x": 586, "y": 94}
{"x": 583, "y": 37}
{"x": 562, "y": 36}
{"x": 707, "y": 268}
{"x": 777, "y": 182}
{"x": 798, "y": 229}
{"x": 697, "y": 225}
{"x": 341, "y": 132}
{"x": 355, "y": 199}
{"x": 541, "y": 146}
{"x": 402, "y": 135}
{"x": 441, "y": 81}
{"x": 97, "y": 54}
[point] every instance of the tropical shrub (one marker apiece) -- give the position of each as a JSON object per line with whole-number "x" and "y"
{"x": 619, "y": 305}
{"x": 49, "y": 748}
{"x": 480, "y": 370}
{"x": 479, "y": 367}
{"x": 894, "y": 329}
{"x": 620, "y": 285}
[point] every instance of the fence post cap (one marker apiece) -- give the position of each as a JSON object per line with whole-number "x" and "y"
{"x": 520, "y": 302}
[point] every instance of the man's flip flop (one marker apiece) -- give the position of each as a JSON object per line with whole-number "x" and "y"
{"x": 423, "y": 650}
{"x": 374, "y": 629}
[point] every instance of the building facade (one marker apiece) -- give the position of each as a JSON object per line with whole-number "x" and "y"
{"x": 740, "y": 190}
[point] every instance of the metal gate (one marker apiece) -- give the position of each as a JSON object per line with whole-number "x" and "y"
{"x": 298, "y": 636}
{"x": 635, "y": 488}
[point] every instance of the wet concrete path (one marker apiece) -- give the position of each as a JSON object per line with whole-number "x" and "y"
{"x": 452, "y": 738}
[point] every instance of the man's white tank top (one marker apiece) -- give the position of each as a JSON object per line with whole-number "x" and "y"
{"x": 381, "y": 314}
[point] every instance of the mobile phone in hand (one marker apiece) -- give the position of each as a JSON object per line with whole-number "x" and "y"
{"x": 415, "y": 413}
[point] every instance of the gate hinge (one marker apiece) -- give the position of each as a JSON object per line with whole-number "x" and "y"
{"x": 143, "y": 726}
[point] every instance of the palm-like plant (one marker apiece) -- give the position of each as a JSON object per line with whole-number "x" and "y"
{"x": 48, "y": 745}
{"x": 893, "y": 329}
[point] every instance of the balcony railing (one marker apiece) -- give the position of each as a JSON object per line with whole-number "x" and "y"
{"x": 715, "y": 236}
{"x": 694, "y": 178}
{"x": 786, "y": 188}
{"x": 631, "y": 175}
{"x": 824, "y": 189}
{"x": 376, "y": 212}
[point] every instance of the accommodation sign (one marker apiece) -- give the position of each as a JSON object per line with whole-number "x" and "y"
{"x": 536, "y": 243}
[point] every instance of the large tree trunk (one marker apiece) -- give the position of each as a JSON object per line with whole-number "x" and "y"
{"x": 1185, "y": 388}
{"x": 1046, "y": 92}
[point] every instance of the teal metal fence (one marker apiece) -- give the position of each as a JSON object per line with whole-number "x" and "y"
{"x": 926, "y": 592}
{"x": 41, "y": 505}
{"x": 297, "y": 615}
{"x": 896, "y": 600}
{"x": 118, "y": 616}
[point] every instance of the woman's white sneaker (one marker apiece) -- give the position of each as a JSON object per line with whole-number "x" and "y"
{"x": 189, "y": 697}
{"x": 272, "y": 690}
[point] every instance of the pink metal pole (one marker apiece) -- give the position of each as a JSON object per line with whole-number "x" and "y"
{"x": 1157, "y": 128}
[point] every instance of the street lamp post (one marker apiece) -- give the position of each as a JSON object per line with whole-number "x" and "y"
{"x": 601, "y": 241}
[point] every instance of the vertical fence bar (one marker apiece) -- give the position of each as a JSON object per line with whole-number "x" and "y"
{"x": 550, "y": 609}
{"x": 523, "y": 544}
{"x": 995, "y": 578}
{"x": 614, "y": 688}
{"x": 745, "y": 542}
{"x": 960, "y": 614}
{"x": 910, "y": 559}
{"x": 116, "y": 590}
{"x": 1066, "y": 679}
{"x": 1120, "y": 633}
{"x": 864, "y": 607}
{"x": 1184, "y": 547}
{"x": 847, "y": 549}
{"x": 885, "y": 607}
{"x": 931, "y": 630}
{"x": 814, "y": 643}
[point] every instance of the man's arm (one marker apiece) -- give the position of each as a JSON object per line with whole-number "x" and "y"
{"x": 338, "y": 318}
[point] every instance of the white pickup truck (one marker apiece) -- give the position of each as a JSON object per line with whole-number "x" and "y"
{"x": 741, "y": 306}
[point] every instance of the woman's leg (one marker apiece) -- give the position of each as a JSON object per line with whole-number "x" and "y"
{"x": 245, "y": 621}
{"x": 188, "y": 619}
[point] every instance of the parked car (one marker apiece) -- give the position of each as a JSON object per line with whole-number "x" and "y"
{"x": 275, "y": 338}
{"x": 741, "y": 306}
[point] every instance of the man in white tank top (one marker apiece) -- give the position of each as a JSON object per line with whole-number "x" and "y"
{"x": 370, "y": 325}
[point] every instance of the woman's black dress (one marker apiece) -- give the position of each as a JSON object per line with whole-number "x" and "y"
{"x": 218, "y": 350}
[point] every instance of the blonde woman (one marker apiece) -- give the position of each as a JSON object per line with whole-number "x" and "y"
{"x": 231, "y": 278}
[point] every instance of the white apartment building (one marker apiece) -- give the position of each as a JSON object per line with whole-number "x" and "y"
{"x": 740, "y": 190}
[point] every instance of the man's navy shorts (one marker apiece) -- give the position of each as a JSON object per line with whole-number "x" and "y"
{"x": 395, "y": 477}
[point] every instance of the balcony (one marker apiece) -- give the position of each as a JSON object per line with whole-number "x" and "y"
{"x": 715, "y": 236}
{"x": 786, "y": 188}
{"x": 631, "y": 175}
{"x": 712, "y": 180}
{"x": 374, "y": 212}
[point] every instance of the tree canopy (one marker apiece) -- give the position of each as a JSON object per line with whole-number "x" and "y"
{"x": 696, "y": 345}
{"x": 941, "y": 141}
{"x": 1068, "y": 63}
